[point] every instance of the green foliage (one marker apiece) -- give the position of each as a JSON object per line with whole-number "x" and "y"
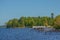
{"x": 57, "y": 22}
{"x": 12, "y": 23}
{"x": 34, "y": 21}
{"x": 28, "y": 22}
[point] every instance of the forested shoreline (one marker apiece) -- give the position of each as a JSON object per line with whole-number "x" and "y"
{"x": 29, "y": 22}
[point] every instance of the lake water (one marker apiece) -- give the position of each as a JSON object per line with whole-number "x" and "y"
{"x": 27, "y": 34}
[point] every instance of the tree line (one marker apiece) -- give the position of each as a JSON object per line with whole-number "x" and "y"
{"x": 29, "y": 22}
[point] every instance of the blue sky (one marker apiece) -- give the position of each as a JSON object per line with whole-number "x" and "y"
{"x": 16, "y": 8}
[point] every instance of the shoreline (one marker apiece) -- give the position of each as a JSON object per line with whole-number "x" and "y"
{"x": 53, "y": 30}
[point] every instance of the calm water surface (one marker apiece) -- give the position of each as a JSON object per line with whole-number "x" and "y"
{"x": 27, "y": 34}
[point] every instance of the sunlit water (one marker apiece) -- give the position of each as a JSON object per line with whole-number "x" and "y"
{"x": 27, "y": 34}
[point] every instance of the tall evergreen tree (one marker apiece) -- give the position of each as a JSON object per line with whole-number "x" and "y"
{"x": 52, "y": 15}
